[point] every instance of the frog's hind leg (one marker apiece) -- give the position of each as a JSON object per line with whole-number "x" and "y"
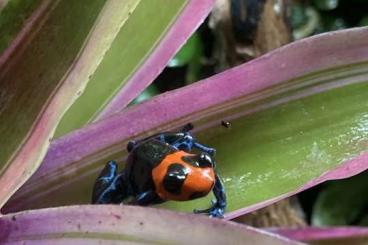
{"x": 187, "y": 141}
{"x": 109, "y": 186}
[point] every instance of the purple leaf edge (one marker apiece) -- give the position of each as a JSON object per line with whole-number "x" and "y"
{"x": 188, "y": 21}
{"x": 348, "y": 169}
{"x": 322, "y": 233}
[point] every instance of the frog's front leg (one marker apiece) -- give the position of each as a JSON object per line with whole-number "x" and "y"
{"x": 210, "y": 151}
{"x": 186, "y": 142}
{"x": 218, "y": 206}
{"x": 110, "y": 187}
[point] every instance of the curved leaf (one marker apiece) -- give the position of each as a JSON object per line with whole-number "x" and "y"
{"x": 337, "y": 235}
{"x": 40, "y": 77}
{"x": 341, "y": 202}
{"x": 153, "y": 33}
{"x": 296, "y": 114}
{"x": 193, "y": 14}
{"x": 117, "y": 225}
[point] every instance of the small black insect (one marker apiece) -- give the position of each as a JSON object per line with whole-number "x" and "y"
{"x": 226, "y": 124}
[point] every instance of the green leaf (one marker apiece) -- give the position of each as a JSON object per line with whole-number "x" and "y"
{"x": 326, "y": 4}
{"x": 341, "y": 202}
{"x": 149, "y": 92}
{"x": 364, "y": 21}
{"x": 190, "y": 56}
{"x": 42, "y": 72}
{"x": 275, "y": 151}
{"x": 148, "y": 22}
{"x": 191, "y": 50}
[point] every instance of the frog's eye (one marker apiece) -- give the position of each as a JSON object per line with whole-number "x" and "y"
{"x": 202, "y": 160}
{"x": 205, "y": 161}
{"x": 175, "y": 178}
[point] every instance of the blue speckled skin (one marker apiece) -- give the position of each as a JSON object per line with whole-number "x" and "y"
{"x": 136, "y": 179}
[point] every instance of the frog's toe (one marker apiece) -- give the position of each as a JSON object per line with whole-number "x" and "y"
{"x": 215, "y": 211}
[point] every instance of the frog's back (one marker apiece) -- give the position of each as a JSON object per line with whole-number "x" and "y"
{"x": 141, "y": 161}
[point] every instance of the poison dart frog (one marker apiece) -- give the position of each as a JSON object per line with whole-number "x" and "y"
{"x": 163, "y": 167}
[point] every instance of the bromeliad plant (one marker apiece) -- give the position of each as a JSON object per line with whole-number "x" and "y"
{"x": 298, "y": 118}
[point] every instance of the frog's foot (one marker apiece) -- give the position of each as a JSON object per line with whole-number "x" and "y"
{"x": 217, "y": 210}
